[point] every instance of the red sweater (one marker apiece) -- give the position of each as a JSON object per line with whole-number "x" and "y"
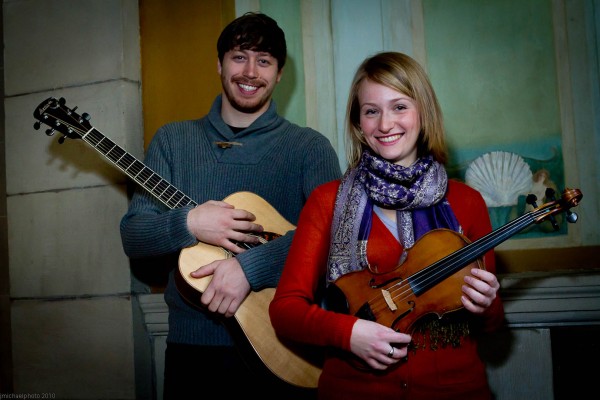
{"x": 444, "y": 373}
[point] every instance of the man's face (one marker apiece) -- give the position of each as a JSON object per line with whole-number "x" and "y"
{"x": 248, "y": 79}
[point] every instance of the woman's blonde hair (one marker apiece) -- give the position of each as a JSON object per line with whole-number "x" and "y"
{"x": 403, "y": 74}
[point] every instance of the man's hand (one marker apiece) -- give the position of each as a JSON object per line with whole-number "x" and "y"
{"x": 228, "y": 287}
{"x": 220, "y": 224}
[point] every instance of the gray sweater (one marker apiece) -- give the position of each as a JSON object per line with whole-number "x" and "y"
{"x": 276, "y": 160}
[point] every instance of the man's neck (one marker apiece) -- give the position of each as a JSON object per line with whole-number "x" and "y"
{"x": 233, "y": 117}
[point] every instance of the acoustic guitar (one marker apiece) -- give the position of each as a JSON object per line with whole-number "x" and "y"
{"x": 287, "y": 363}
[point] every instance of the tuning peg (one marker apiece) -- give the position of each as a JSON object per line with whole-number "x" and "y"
{"x": 37, "y": 125}
{"x": 62, "y": 101}
{"x": 61, "y": 139}
{"x": 86, "y": 116}
{"x": 571, "y": 217}
{"x": 49, "y": 131}
{"x": 531, "y": 200}
{"x": 550, "y": 197}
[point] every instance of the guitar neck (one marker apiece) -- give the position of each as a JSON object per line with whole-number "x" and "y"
{"x": 136, "y": 170}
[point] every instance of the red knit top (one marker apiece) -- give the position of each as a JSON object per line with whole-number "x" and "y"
{"x": 445, "y": 373}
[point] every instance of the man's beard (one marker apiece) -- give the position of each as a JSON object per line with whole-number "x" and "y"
{"x": 248, "y": 107}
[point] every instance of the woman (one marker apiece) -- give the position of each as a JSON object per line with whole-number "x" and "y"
{"x": 395, "y": 190}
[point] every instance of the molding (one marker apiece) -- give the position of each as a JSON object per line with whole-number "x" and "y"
{"x": 531, "y": 300}
{"x": 547, "y": 299}
{"x": 155, "y": 313}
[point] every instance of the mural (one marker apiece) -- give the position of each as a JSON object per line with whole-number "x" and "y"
{"x": 501, "y": 102}
{"x": 506, "y": 178}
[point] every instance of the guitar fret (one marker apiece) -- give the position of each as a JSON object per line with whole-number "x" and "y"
{"x": 109, "y": 151}
{"x": 160, "y": 185}
{"x": 138, "y": 169}
{"x": 145, "y": 175}
{"x": 127, "y": 161}
{"x": 120, "y": 158}
{"x": 170, "y": 193}
{"x": 101, "y": 143}
{"x": 177, "y": 198}
{"x": 153, "y": 179}
{"x": 115, "y": 154}
{"x": 180, "y": 203}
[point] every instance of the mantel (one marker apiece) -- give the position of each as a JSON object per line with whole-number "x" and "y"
{"x": 531, "y": 299}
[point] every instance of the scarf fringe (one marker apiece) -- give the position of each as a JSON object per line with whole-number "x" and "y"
{"x": 436, "y": 333}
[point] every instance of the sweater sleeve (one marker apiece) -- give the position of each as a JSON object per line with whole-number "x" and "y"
{"x": 294, "y": 311}
{"x": 263, "y": 264}
{"x": 149, "y": 228}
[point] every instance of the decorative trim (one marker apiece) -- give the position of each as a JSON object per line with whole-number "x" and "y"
{"x": 546, "y": 299}
{"x": 531, "y": 299}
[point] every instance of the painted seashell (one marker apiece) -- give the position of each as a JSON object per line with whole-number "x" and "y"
{"x": 501, "y": 177}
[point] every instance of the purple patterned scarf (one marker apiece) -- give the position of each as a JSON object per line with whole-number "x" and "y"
{"x": 416, "y": 192}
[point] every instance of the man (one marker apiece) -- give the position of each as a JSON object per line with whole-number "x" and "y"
{"x": 241, "y": 145}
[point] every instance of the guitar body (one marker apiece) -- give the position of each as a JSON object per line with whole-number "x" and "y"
{"x": 289, "y": 362}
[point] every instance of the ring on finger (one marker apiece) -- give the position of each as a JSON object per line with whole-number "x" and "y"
{"x": 391, "y": 353}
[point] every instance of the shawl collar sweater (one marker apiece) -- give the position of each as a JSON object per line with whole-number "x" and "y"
{"x": 275, "y": 159}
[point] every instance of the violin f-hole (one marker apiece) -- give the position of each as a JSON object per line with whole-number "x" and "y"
{"x": 411, "y": 308}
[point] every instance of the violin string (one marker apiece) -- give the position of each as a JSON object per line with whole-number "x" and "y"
{"x": 404, "y": 290}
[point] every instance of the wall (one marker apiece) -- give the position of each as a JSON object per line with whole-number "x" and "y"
{"x": 69, "y": 315}
{"x": 5, "y": 337}
{"x": 70, "y": 305}
{"x": 178, "y": 44}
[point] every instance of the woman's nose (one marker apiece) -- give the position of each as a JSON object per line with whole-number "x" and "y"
{"x": 385, "y": 122}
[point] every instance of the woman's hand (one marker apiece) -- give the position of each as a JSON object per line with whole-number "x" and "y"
{"x": 379, "y": 346}
{"x": 480, "y": 290}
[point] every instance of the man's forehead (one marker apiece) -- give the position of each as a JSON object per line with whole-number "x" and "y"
{"x": 251, "y": 51}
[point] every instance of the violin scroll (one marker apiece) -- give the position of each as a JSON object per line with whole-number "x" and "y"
{"x": 570, "y": 198}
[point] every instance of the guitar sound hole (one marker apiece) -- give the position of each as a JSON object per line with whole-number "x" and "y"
{"x": 263, "y": 236}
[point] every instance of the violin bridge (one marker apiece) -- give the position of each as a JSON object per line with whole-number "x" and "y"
{"x": 388, "y": 299}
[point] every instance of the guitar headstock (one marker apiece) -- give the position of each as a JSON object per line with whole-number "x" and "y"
{"x": 58, "y": 117}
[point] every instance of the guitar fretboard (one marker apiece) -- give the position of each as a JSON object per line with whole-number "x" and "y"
{"x": 136, "y": 170}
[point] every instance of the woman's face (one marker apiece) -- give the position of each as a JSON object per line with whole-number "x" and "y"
{"x": 390, "y": 122}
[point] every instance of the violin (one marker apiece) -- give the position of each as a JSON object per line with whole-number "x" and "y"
{"x": 430, "y": 279}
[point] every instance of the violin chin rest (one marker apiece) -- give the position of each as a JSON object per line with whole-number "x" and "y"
{"x": 334, "y": 299}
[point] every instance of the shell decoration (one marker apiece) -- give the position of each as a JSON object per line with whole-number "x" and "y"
{"x": 501, "y": 177}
